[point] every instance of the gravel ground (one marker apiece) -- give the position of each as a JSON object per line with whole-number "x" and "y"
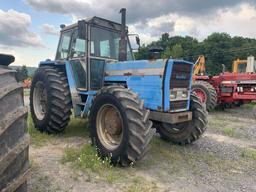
{"x": 220, "y": 161}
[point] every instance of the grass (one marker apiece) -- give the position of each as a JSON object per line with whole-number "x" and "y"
{"x": 87, "y": 159}
{"x": 139, "y": 184}
{"x": 26, "y": 92}
{"x": 228, "y": 131}
{"x": 221, "y": 125}
{"x": 173, "y": 159}
{"x": 249, "y": 153}
{"x": 249, "y": 105}
{"x": 76, "y": 127}
{"x": 37, "y": 138}
{"x": 216, "y": 122}
{"x": 180, "y": 160}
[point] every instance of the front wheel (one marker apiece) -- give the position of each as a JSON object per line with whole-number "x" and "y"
{"x": 120, "y": 126}
{"x": 186, "y": 132}
{"x": 50, "y": 100}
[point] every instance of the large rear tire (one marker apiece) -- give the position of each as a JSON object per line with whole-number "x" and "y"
{"x": 50, "y": 100}
{"x": 206, "y": 92}
{"x": 187, "y": 132}
{"x": 120, "y": 126}
{"x": 14, "y": 139}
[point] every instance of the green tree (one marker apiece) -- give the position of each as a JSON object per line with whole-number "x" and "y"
{"x": 174, "y": 52}
{"x": 22, "y": 73}
{"x": 219, "y": 48}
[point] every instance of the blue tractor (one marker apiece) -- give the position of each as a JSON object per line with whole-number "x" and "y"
{"x": 95, "y": 74}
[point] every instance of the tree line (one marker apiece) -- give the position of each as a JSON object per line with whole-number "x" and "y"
{"x": 218, "y": 48}
{"x": 22, "y": 73}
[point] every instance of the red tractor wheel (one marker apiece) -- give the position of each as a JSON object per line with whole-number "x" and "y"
{"x": 201, "y": 94}
{"x": 206, "y": 93}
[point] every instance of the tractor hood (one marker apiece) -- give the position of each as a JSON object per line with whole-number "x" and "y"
{"x": 153, "y": 80}
{"x": 136, "y": 68}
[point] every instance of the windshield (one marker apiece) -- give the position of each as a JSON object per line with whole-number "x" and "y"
{"x": 105, "y": 43}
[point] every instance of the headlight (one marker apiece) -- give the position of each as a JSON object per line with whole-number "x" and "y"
{"x": 252, "y": 89}
{"x": 179, "y": 94}
{"x": 184, "y": 94}
{"x": 173, "y": 95}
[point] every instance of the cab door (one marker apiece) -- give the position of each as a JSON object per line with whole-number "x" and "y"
{"x": 78, "y": 60}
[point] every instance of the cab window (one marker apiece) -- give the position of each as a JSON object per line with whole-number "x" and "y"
{"x": 105, "y": 43}
{"x": 78, "y": 47}
{"x": 63, "y": 49}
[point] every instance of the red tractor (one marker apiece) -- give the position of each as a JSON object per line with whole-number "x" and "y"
{"x": 227, "y": 88}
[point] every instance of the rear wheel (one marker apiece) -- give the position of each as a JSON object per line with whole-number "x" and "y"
{"x": 187, "y": 132}
{"x": 14, "y": 139}
{"x": 207, "y": 94}
{"x": 50, "y": 100}
{"x": 120, "y": 126}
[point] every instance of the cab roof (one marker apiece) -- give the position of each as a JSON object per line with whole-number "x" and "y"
{"x": 97, "y": 21}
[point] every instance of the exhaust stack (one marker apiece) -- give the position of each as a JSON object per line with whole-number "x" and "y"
{"x": 123, "y": 41}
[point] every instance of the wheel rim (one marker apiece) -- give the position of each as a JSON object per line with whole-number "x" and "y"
{"x": 40, "y": 100}
{"x": 201, "y": 94}
{"x": 109, "y": 125}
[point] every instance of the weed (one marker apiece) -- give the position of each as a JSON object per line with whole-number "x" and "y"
{"x": 37, "y": 138}
{"x": 228, "y": 131}
{"x": 249, "y": 153}
{"x": 87, "y": 159}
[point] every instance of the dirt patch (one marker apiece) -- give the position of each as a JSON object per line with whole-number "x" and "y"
{"x": 216, "y": 162}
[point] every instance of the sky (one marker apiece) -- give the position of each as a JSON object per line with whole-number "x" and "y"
{"x": 29, "y": 29}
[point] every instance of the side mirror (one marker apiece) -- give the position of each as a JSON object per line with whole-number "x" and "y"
{"x": 134, "y": 41}
{"x": 81, "y": 29}
{"x": 137, "y": 40}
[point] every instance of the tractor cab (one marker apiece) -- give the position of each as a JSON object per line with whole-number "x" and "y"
{"x": 89, "y": 45}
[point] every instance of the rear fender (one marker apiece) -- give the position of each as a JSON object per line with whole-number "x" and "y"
{"x": 6, "y": 59}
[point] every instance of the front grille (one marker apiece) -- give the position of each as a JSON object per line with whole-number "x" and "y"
{"x": 180, "y": 79}
{"x": 226, "y": 89}
{"x": 178, "y": 105}
{"x": 246, "y": 87}
{"x": 181, "y": 73}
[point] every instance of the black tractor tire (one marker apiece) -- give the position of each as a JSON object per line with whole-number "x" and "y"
{"x": 187, "y": 132}
{"x": 210, "y": 93}
{"x": 238, "y": 103}
{"x": 136, "y": 129}
{"x": 14, "y": 139}
{"x": 57, "y": 107}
